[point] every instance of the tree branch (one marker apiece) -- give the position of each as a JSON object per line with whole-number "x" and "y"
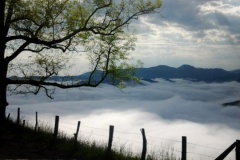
{"x": 8, "y": 17}
{"x": 54, "y": 84}
{"x": 98, "y": 8}
{"x": 17, "y": 52}
{"x": 94, "y": 29}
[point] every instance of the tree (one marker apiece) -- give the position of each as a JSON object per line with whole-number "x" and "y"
{"x": 48, "y": 30}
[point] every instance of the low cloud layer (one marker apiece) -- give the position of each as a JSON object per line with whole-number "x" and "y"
{"x": 166, "y": 110}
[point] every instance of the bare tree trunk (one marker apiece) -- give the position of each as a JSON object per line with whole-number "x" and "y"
{"x": 3, "y": 99}
{"x": 3, "y": 82}
{"x": 3, "y": 90}
{"x": 3, "y": 65}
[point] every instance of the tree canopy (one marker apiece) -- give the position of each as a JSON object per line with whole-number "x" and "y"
{"x": 48, "y": 30}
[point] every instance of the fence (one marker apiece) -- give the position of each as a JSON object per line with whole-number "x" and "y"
{"x": 183, "y": 151}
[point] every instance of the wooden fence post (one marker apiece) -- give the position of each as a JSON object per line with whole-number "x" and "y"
{"x": 18, "y": 116}
{"x": 110, "y": 139}
{"x": 76, "y": 135}
{"x": 238, "y": 150}
{"x": 226, "y": 152}
{"x": 184, "y": 148}
{"x": 144, "y": 149}
{"x": 23, "y": 123}
{"x": 36, "y": 124}
{"x": 8, "y": 116}
{"x": 56, "y": 127}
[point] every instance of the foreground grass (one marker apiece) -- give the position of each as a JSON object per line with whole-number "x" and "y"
{"x": 22, "y": 142}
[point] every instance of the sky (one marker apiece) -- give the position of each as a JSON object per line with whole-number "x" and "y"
{"x": 202, "y": 33}
{"x": 166, "y": 110}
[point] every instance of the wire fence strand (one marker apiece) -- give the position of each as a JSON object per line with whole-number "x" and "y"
{"x": 82, "y": 132}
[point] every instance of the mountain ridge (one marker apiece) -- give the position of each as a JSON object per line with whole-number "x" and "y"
{"x": 189, "y": 72}
{"x": 185, "y": 71}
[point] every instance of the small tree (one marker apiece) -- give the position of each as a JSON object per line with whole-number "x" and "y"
{"x": 50, "y": 29}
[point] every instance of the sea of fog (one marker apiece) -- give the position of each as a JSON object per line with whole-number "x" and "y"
{"x": 166, "y": 110}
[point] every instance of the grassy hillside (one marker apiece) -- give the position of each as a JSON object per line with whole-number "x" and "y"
{"x": 21, "y": 142}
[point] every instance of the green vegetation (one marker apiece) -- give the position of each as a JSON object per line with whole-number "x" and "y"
{"x": 40, "y": 39}
{"x": 23, "y": 142}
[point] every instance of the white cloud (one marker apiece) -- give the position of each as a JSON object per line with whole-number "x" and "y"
{"x": 220, "y": 7}
{"x": 166, "y": 110}
{"x": 199, "y": 33}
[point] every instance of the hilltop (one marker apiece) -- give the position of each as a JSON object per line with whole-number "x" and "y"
{"x": 189, "y": 73}
{"x": 186, "y": 72}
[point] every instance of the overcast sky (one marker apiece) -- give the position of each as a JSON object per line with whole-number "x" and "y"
{"x": 203, "y": 33}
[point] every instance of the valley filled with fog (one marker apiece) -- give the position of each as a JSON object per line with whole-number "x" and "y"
{"x": 167, "y": 110}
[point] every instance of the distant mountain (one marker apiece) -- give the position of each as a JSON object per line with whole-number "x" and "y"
{"x": 165, "y": 72}
{"x": 190, "y": 73}
{"x": 234, "y": 103}
{"x": 236, "y": 71}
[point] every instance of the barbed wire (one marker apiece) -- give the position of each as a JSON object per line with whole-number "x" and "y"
{"x": 127, "y": 133}
{"x": 153, "y": 145}
{"x": 94, "y": 127}
{"x": 68, "y": 123}
{"x": 200, "y": 154}
{"x": 128, "y": 140}
{"x": 124, "y": 132}
{"x": 163, "y": 147}
{"x": 199, "y": 145}
{"x": 93, "y": 134}
{"x": 165, "y": 139}
{"x": 67, "y": 127}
